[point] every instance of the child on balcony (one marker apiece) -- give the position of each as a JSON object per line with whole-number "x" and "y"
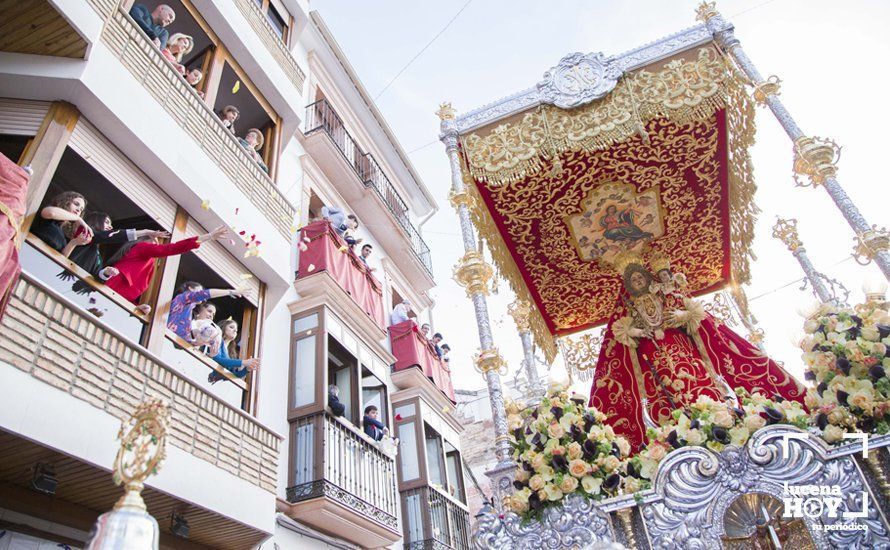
{"x": 203, "y": 331}
{"x": 188, "y": 296}
{"x": 374, "y": 428}
{"x": 229, "y": 115}
{"x": 135, "y": 262}
{"x": 228, "y": 354}
{"x": 194, "y": 77}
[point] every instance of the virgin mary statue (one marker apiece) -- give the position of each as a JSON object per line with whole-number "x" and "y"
{"x": 661, "y": 351}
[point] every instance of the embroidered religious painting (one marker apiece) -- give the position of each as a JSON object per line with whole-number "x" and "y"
{"x": 615, "y": 218}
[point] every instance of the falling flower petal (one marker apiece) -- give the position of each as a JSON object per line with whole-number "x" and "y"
{"x": 293, "y": 230}
{"x": 343, "y": 248}
{"x": 236, "y": 211}
{"x": 253, "y": 237}
{"x": 205, "y": 204}
{"x": 311, "y": 268}
{"x": 258, "y": 243}
{"x": 302, "y": 246}
{"x": 236, "y": 87}
{"x": 242, "y": 233}
{"x": 246, "y": 276}
{"x": 307, "y": 239}
{"x": 446, "y": 410}
{"x": 232, "y": 242}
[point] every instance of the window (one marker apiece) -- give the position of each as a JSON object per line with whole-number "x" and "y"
{"x": 278, "y": 17}
{"x": 435, "y": 467}
{"x": 408, "y": 459}
{"x": 342, "y": 367}
{"x": 304, "y": 360}
{"x": 455, "y": 472}
{"x": 413, "y": 517}
{"x": 374, "y": 393}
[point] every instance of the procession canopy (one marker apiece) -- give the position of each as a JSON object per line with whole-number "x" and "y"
{"x": 646, "y": 151}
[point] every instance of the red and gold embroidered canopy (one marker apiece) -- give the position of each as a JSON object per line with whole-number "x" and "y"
{"x": 659, "y": 164}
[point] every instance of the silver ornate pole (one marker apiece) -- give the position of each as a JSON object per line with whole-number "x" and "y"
{"x": 815, "y": 158}
{"x": 520, "y": 311}
{"x": 474, "y": 273}
{"x": 786, "y": 231}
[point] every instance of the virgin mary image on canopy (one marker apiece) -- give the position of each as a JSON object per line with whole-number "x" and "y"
{"x": 615, "y": 218}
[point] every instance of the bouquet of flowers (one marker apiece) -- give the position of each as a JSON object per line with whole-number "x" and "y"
{"x": 563, "y": 447}
{"x": 716, "y": 424}
{"x": 846, "y": 356}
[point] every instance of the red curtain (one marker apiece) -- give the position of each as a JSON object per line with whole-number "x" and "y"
{"x": 413, "y": 349}
{"x": 327, "y": 252}
{"x": 13, "y": 188}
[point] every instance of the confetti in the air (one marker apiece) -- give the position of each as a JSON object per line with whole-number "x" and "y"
{"x": 236, "y": 87}
{"x": 246, "y": 276}
{"x": 311, "y": 268}
{"x": 343, "y": 248}
{"x": 205, "y": 204}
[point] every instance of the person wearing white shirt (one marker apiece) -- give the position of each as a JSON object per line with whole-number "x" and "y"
{"x": 400, "y": 313}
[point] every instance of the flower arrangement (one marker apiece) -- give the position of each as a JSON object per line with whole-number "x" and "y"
{"x": 563, "y": 447}
{"x": 716, "y": 424}
{"x": 846, "y": 356}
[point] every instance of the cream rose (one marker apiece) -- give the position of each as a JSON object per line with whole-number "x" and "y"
{"x": 739, "y": 435}
{"x": 870, "y": 333}
{"x": 574, "y": 450}
{"x": 862, "y": 400}
{"x": 539, "y": 461}
{"x": 522, "y": 475}
{"x": 754, "y": 422}
{"x": 546, "y": 472}
{"x": 552, "y": 492}
{"x": 632, "y": 485}
{"x": 656, "y": 451}
{"x": 555, "y": 430}
{"x": 578, "y": 468}
{"x": 568, "y": 485}
{"x": 694, "y": 437}
{"x": 837, "y": 416}
{"x": 832, "y": 433}
{"x": 536, "y": 483}
{"x": 723, "y": 419}
{"x": 623, "y": 446}
{"x": 811, "y": 326}
{"x": 610, "y": 463}
{"x": 591, "y": 485}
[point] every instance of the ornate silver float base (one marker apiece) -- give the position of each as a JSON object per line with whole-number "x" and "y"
{"x": 687, "y": 506}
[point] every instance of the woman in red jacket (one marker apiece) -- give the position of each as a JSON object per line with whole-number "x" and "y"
{"x": 135, "y": 262}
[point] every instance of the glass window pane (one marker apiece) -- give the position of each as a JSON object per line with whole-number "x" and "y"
{"x": 334, "y": 327}
{"x": 410, "y": 466}
{"x": 304, "y": 454}
{"x": 404, "y": 411}
{"x": 455, "y": 483}
{"x": 277, "y": 21}
{"x": 374, "y": 393}
{"x": 434, "y": 458}
{"x": 305, "y": 323}
{"x": 304, "y": 372}
{"x": 343, "y": 380}
{"x": 413, "y": 518}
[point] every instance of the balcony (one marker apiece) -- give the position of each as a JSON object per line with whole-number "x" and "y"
{"x": 343, "y": 483}
{"x": 127, "y": 42}
{"x": 434, "y": 520}
{"x": 412, "y": 349}
{"x": 328, "y": 256}
{"x": 49, "y": 343}
{"x": 273, "y": 42}
{"x": 342, "y": 159}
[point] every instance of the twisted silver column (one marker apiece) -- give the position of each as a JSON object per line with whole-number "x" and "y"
{"x": 474, "y": 274}
{"x": 818, "y": 158}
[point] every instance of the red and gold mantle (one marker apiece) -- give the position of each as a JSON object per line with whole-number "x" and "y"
{"x": 669, "y": 143}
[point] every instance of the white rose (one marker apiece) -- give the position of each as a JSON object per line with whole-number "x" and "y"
{"x": 754, "y": 422}
{"x": 870, "y": 333}
{"x": 811, "y": 326}
{"x": 623, "y": 446}
{"x": 632, "y": 485}
{"x": 552, "y": 492}
{"x": 536, "y": 483}
{"x": 739, "y": 435}
{"x": 591, "y": 484}
{"x": 723, "y": 419}
{"x": 694, "y": 437}
{"x": 610, "y": 463}
{"x": 832, "y": 433}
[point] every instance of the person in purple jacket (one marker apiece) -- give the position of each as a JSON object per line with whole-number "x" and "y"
{"x": 188, "y": 295}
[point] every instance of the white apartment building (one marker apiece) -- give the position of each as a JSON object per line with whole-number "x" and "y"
{"x": 91, "y": 104}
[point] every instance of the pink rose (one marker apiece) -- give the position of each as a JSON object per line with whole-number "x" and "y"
{"x": 578, "y": 468}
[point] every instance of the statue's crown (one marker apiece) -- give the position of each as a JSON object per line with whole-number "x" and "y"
{"x": 659, "y": 261}
{"x": 626, "y": 258}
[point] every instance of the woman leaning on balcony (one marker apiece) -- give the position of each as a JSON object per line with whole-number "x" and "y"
{"x": 61, "y": 225}
{"x": 228, "y": 354}
{"x": 253, "y": 142}
{"x": 135, "y": 262}
{"x": 177, "y": 46}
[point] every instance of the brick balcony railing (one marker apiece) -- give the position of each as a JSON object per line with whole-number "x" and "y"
{"x": 56, "y": 342}
{"x": 273, "y": 42}
{"x": 181, "y": 102}
{"x": 321, "y": 117}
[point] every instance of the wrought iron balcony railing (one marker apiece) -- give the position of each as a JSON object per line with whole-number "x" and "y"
{"x": 320, "y": 116}
{"x": 336, "y": 461}
{"x": 433, "y": 520}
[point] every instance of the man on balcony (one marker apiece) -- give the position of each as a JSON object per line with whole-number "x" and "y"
{"x": 153, "y": 23}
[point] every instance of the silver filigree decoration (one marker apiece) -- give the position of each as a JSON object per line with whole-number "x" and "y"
{"x": 578, "y": 79}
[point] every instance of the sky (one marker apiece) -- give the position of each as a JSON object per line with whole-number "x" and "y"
{"x": 831, "y": 57}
